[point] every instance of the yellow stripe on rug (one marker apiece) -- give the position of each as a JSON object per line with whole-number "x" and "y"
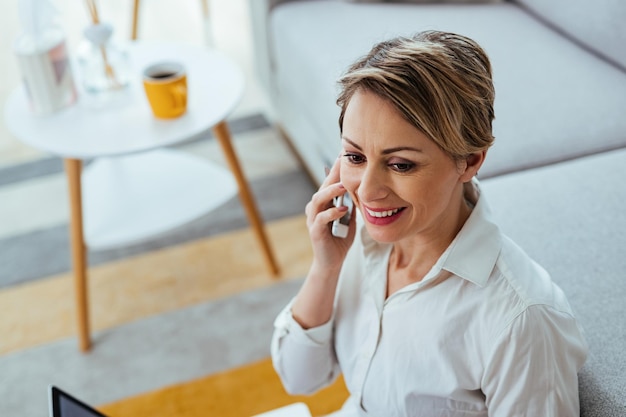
{"x": 241, "y": 392}
{"x": 152, "y": 283}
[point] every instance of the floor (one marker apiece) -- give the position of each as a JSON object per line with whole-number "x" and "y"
{"x": 196, "y": 301}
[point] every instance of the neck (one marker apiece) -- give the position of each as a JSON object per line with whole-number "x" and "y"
{"x": 412, "y": 258}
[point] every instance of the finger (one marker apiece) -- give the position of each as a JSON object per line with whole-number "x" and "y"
{"x": 333, "y": 175}
{"x": 323, "y": 199}
{"x": 324, "y": 218}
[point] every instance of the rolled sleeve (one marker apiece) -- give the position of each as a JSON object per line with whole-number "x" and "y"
{"x": 304, "y": 359}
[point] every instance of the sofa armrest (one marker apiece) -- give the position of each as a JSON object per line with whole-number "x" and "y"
{"x": 260, "y": 11}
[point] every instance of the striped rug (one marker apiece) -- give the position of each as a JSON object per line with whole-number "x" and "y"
{"x": 245, "y": 391}
{"x": 170, "y": 313}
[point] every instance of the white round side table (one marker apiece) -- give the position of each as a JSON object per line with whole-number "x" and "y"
{"x": 135, "y": 187}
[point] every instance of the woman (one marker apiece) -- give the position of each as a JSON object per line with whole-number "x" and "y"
{"x": 425, "y": 307}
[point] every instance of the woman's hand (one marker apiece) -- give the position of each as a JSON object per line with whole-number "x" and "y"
{"x": 329, "y": 251}
{"x": 313, "y": 305}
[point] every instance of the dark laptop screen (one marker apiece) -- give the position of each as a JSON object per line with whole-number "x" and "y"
{"x": 64, "y": 405}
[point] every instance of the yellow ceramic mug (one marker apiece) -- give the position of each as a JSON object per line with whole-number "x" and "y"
{"x": 166, "y": 88}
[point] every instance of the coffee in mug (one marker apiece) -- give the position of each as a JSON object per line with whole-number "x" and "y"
{"x": 165, "y": 84}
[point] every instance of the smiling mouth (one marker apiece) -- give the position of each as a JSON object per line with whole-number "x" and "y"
{"x": 384, "y": 213}
{"x": 382, "y": 217}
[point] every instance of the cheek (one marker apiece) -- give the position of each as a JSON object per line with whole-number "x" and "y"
{"x": 440, "y": 196}
{"x": 347, "y": 176}
{"x": 350, "y": 177}
{"x": 424, "y": 195}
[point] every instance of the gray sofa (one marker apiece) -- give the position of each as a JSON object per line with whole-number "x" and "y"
{"x": 554, "y": 177}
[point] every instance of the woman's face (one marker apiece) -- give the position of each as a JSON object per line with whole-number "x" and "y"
{"x": 403, "y": 183}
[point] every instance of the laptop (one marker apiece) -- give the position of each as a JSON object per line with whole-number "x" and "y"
{"x": 63, "y": 404}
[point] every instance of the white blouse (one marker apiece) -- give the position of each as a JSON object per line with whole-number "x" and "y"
{"x": 485, "y": 333}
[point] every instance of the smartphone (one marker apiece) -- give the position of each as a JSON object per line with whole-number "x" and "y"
{"x": 341, "y": 226}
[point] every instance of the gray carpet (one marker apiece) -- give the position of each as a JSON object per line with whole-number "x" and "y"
{"x": 147, "y": 354}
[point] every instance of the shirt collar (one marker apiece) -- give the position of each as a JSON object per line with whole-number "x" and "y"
{"x": 472, "y": 255}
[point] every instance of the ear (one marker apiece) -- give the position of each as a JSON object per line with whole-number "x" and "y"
{"x": 472, "y": 164}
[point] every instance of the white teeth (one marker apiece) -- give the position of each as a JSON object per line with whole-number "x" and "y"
{"x": 382, "y": 213}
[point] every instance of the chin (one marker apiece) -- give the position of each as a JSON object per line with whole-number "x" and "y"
{"x": 381, "y": 236}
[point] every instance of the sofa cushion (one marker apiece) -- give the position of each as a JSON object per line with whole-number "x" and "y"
{"x": 554, "y": 100}
{"x": 570, "y": 217}
{"x": 598, "y": 24}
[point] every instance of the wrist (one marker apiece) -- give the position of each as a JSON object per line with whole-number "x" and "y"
{"x": 324, "y": 272}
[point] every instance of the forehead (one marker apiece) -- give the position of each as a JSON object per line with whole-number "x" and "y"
{"x": 373, "y": 121}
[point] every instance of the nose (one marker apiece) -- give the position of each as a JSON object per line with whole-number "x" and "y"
{"x": 372, "y": 186}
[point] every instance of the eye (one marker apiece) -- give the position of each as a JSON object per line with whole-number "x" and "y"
{"x": 402, "y": 166}
{"x": 354, "y": 158}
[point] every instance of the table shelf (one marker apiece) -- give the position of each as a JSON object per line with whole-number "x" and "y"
{"x": 132, "y": 198}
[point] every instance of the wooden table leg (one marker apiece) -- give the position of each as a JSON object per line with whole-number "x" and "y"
{"x": 222, "y": 134}
{"x": 73, "y": 169}
{"x": 135, "y": 20}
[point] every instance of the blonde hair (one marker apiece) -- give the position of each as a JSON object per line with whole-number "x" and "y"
{"x": 440, "y": 82}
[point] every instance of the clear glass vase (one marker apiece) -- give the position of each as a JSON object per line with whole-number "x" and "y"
{"x": 103, "y": 63}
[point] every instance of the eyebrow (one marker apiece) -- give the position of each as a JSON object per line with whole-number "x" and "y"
{"x": 385, "y": 151}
